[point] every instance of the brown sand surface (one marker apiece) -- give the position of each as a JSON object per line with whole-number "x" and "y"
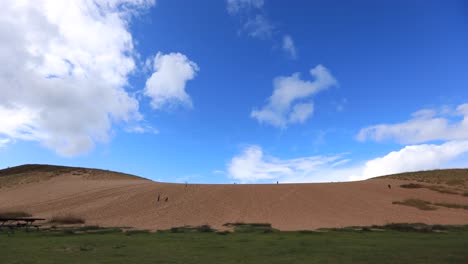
{"x": 106, "y": 199}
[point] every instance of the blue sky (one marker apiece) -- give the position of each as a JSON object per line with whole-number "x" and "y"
{"x": 235, "y": 91}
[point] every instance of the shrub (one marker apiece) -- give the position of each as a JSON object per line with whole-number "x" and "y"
{"x": 67, "y": 220}
{"x": 204, "y": 229}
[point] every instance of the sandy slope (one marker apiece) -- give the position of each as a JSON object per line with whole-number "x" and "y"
{"x": 125, "y": 201}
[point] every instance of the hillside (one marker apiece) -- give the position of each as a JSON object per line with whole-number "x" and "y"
{"x": 112, "y": 199}
{"x": 33, "y": 173}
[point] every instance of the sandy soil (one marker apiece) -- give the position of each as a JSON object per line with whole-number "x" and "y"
{"x": 109, "y": 201}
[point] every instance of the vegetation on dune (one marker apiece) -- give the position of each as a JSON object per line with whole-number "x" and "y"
{"x": 251, "y": 227}
{"x": 66, "y": 219}
{"x": 393, "y": 243}
{"x": 452, "y": 177}
{"x": 436, "y": 188}
{"x": 412, "y": 186}
{"x": 452, "y": 205}
{"x": 14, "y": 214}
{"x": 425, "y": 205}
{"x": 420, "y": 204}
{"x": 31, "y": 173}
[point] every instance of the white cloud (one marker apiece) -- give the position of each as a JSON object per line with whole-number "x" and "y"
{"x": 64, "y": 68}
{"x": 289, "y": 47}
{"x": 414, "y": 158}
{"x": 425, "y": 125}
{"x": 282, "y": 107}
{"x": 252, "y": 166}
{"x": 166, "y": 86}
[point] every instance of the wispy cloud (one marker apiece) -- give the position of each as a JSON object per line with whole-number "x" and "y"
{"x": 289, "y": 47}
{"x": 236, "y": 7}
{"x": 253, "y": 165}
{"x": 284, "y": 105}
{"x": 256, "y": 24}
{"x": 424, "y": 126}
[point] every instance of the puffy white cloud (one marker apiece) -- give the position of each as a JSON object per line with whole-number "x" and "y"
{"x": 282, "y": 107}
{"x": 64, "y": 68}
{"x": 425, "y": 125}
{"x": 166, "y": 86}
{"x": 289, "y": 47}
{"x": 252, "y": 166}
{"x": 414, "y": 158}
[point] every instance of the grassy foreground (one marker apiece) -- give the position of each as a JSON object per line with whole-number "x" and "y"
{"x": 247, "y": 246}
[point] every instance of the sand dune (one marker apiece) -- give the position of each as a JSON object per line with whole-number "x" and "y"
{"x": 111, "y": 199}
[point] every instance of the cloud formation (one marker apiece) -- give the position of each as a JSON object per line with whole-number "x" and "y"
{"x": 253, "y": 166}
{"x": 414, "y": 158}
{"x": 425, "y": 125}
{"x": 286, "y": 105}
{"x": 167, "y": 84}
{"x": 289, "y": 47}
{"x": 65, "y": 65}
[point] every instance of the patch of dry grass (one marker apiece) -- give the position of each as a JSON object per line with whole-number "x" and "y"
{"x": 452, "y": 205}
{"x": 420, "y": 204}
{"x": 67, "y": 220}
{"x": 14, "y": 214}
{"x": 412, "y": 186}
{"x": 436, "y": 188}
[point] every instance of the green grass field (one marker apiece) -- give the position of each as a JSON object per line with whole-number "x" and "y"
{"x": 335, "y": 246}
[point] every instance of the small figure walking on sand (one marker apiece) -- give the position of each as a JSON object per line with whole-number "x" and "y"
{"x": 389, "y": 186}
{"x": 159, "y": 196}
{"x": 167, "y": 199}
